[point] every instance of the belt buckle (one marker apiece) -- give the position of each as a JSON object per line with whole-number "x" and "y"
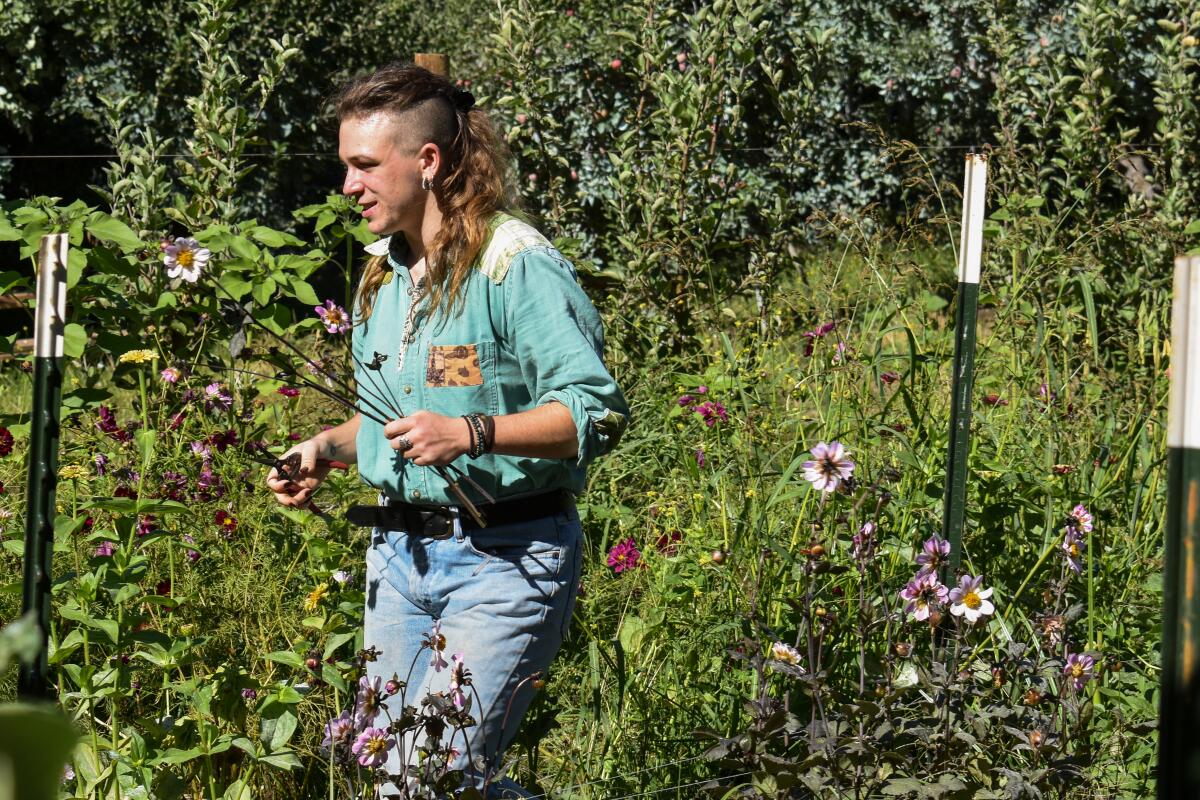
{"x": 454, "y": 515}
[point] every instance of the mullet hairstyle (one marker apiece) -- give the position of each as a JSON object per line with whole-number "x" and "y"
{"x": 470, "y": 188}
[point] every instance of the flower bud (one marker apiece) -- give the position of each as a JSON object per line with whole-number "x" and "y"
{"x": 1037, "y": 738}
{"x": 1032, "y": 697}
{"x": 718, "y": 557}
{"x": 903, "y": 649}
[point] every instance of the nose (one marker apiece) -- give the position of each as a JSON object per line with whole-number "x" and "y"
{"x": 352, "y": 185}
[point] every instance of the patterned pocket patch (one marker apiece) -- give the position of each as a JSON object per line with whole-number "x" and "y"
{"x": 453, "y": 365}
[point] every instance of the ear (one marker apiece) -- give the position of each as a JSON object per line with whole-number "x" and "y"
{"x": 429, "y": 159}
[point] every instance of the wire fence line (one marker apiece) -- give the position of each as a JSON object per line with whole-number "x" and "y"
{"x": 974, "y": 148}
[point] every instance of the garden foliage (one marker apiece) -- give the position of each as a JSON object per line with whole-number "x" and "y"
{"x": 758, "y": 199}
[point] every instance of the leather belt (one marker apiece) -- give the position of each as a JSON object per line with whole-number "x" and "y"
{"x": 437, "y": 522}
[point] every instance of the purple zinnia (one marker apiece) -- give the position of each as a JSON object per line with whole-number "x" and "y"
{"x": 101, "y": 462}
{"x": 711, "y": 411}
{"x": 105, "y": 549}
{"x": 829, "y": 467}
{"x": 333, "y": 317}
{"x": 624, "y": 556}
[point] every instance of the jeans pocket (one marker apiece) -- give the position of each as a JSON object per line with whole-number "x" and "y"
{"x": 535, "y": 546}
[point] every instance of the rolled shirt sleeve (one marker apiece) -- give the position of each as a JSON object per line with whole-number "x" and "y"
{"x": 559, "y": 342}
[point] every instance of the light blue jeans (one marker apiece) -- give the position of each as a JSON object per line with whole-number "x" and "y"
{"x": 504, "y": 597}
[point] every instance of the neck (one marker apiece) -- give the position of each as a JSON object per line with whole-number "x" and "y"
{"x": 421, "y": 232}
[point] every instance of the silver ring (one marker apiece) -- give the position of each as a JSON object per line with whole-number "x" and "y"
{"x": 403, "y": 444}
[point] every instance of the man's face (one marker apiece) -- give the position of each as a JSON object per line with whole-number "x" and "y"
{"x": 381, "y": 174}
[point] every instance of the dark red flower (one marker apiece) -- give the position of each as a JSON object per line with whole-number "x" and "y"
{"x": 226, "y": 521}
{"x": 994, "y": 400}
{"x": 6, "y": 442}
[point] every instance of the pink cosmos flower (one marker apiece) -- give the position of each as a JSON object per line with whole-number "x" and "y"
{"x": 829, "y": 467}
{"x": 1082, "y": 518}
{"x": 372, "y": 746}
{"x": 969, "y": 600}
{"x": 437, "y": 643}
{"x": 863, "y": 542}
{"x": 1072, "y": 547}
{"x": 170, "y": 374}
{"x": 1079, "y": 670}
{"x": 333, "y": 317}
{"x": 923, "y": 594}
{"x": 459, "y": 677}
{"x": 624, "y": 555}
{"x": 369, "y": 702}
{"x": 934, "y": 552}
{"x": 185, "y": 258}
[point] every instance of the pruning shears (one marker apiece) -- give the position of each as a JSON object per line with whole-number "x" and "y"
{"x": 289, "y": 468}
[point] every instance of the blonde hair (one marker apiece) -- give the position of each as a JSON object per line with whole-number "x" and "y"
{"x": 471, "y": 187}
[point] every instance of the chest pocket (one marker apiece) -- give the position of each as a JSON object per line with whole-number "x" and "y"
{"x": 461, "y": 378}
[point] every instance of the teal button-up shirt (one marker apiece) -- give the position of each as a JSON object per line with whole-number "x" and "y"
{"x": 522, "y": 334}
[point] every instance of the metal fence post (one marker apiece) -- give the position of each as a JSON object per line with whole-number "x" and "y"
{"x": 43, "y": 451}
{"x": 970, "y": 253}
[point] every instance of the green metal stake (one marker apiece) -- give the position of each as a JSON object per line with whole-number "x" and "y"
{"x": 1179, "y": 712}
{"x": 969, "y": 258}
{"x": 43, "y": 452}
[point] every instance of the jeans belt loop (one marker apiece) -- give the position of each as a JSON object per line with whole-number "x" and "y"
{"x": 456, "y": 524}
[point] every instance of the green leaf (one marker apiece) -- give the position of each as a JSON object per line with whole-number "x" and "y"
{"x": 74, "y": 340}
{"x": 304, "y": 293}
{"x": 35, "y": 744}
{"x": 108, "y": 229}
{"x": 285, "y": 726}
{"x": 238, "y": 790}
{"x": 273, "y": 238}
{"x": 262, "y": 292}
{"x": 174, "y": 755}
{"x": 145, "y": 440}
{"x": 76, "y": 262}
{"x": 285, "y": 760}
{"x": 286, "y": 657}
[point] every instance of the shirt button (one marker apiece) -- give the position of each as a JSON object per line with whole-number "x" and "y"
{"x": 416, "y": 494}
{"x": 408, "y": 389}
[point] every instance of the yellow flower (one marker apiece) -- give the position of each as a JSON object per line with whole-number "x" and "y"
{"x": 137, "y": 357}
{"x": 72, "y": 472}
{"x": 315, "y": 597}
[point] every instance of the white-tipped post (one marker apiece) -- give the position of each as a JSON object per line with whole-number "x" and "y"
{"x": 50, "y": 321}
{"x": 970, "y": 257}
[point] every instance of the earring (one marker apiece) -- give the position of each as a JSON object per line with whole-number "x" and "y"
{"x": 426, "y": 184}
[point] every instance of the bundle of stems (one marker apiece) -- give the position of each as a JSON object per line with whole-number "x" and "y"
{"x": 367, "y": 400}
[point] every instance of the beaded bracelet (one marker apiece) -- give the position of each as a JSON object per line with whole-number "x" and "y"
{"x": 477, "y": 439}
